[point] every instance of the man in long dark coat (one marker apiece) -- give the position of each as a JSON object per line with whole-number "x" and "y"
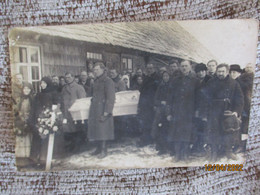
{"x": 146, "y": 104}
{"x": 73, "y": 135}
{"x": 199, "y": 133}
{"x": 246, "y": 83}
{"x": 182, "y": 106}
{"x": 100, "y": 121}
{"x": 221, "y": 94}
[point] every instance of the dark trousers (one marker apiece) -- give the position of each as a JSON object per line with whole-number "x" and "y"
{"x": 145, "y": 126}
{"x": 182, "y": 151}
{"x": 74, "y": 141}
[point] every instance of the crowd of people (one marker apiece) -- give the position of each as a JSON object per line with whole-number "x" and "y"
{"x": 183, "y": 109}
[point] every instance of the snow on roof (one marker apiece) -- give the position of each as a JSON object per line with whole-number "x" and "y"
{"x": 164, "y": 37}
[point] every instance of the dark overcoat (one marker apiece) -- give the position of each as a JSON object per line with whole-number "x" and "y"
{"x": 218, "y": 96}
{"x": 146, "y": 100}
{"x": 162, "y": 92}
{"x": 119, "y": 84}
{"x": 88, "y": 86}
{"x": 70, "y": 93}
{"x": 246, "y": 83}
{"x": 43, "y": 100}
{"x": 103, "y": 101}
{"x": 182, "y": 104}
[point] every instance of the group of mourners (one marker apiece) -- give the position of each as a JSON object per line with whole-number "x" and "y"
{"x": 196, "y": 109}
{"x": 183, "y": 109}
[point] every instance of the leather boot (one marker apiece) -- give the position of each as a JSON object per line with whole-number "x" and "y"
{"x": 97, "y": 151}
{"x": 214, "y": 156}
{"x": 231, "y": 155}
{"x": 103, "y": 152}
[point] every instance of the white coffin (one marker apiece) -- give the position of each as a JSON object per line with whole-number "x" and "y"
{"x": 125, "y": 104}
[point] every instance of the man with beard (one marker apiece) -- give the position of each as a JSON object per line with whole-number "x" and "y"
{"x": 145, "y": 105}
{"x": 182, "y": 111}
{"x": 223, "y": 102}
{"x": 56, "y": 88}
{"x": 55, "y": 82}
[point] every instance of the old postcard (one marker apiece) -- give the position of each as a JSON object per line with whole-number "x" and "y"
{"x": 132, "y": 95}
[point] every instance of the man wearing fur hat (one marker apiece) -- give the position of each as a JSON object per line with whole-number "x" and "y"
{"x": 199, "y": 132}
{"x": 221, "y": 95}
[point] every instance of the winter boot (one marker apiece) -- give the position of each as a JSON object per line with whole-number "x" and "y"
{"x": 103, "y": 152}
{"x": 231, "y": 155}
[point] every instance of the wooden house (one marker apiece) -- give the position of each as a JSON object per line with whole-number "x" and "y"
{"x": 53, "y": 50}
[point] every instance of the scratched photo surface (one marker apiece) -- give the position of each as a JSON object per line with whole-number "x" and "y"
{"x": 132, "y": 95}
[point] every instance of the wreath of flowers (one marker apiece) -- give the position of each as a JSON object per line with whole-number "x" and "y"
{"x": 48, "y": 122}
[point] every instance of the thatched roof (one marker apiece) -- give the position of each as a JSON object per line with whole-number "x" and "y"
{"x": 166, "y": 38}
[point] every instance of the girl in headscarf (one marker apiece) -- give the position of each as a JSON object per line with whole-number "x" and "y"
{"x": 125, "y": 78}
{"x": 22, "y": 125}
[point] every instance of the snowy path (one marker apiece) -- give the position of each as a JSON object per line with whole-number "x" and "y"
{"x": 126, "y": 155}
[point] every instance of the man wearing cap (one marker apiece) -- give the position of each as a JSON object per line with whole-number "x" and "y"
{"x": 221, "y": 95}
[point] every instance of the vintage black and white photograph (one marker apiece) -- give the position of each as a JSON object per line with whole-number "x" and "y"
{"x": 132, "y": 95}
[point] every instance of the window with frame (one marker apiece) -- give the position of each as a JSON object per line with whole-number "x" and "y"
{"x": 127, "y": 64}
{"x": 96, "y": 56}
{"x": 29, "y": 65}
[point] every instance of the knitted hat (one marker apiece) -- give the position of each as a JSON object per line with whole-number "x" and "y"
{"x": 200, "y": 67}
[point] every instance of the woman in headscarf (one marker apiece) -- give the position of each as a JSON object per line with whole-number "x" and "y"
{"x": 22, "y": 125}
{"x": 44, "y": 100}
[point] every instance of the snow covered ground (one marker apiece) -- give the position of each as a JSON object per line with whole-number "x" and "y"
{"x": 125, "y": 154}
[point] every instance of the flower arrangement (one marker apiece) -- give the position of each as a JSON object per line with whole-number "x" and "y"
{"x": 48, "y": 122}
